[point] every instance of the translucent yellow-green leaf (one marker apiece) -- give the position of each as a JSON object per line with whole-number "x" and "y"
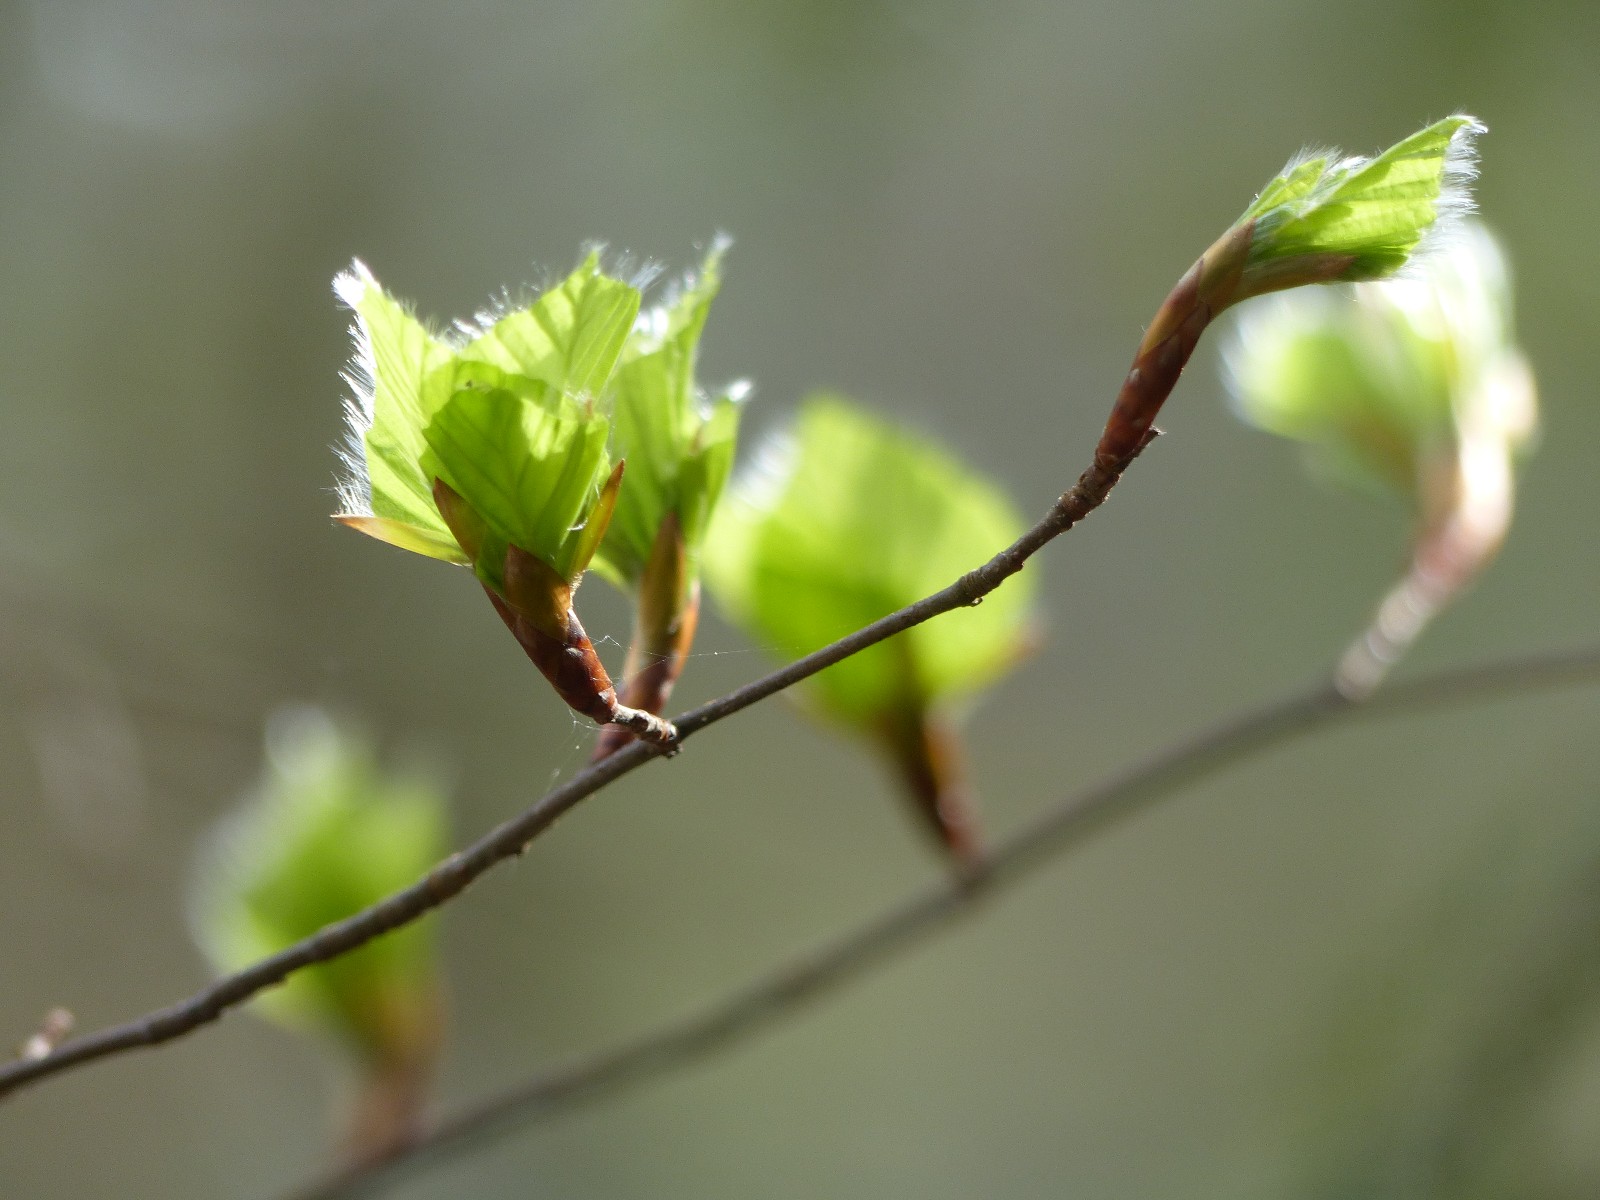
{"x": 1320, "y": 371}
{"x": 570, "y": 337}
{"x": 414, "y": 538}
{"x": 847, "y": 521}
{"x": 678, "y": 445}
{"x": 557, "y": 354}
{"x": 704, "y": 471}
{"x": 394, "y": 354}
{"x": 1329, "y": 218}
{"x": 325, "y": 835}
{"x": 527, "y": 459}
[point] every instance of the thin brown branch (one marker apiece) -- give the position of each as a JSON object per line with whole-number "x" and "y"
{"x": 512, "y": 837}
{"x": 690, "y": 1039}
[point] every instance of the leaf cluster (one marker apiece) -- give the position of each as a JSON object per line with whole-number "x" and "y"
{"x": 520, "y": 412}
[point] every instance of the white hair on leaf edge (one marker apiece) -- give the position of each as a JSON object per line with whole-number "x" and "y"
{"x": 1456, "y": 201}
{"x": 652, "y": 320}
{"x": 508, "y": 300}
{"x": 354, "y": 484}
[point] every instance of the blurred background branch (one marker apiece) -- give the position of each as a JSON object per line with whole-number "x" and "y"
{"x": 680, "y": 1044}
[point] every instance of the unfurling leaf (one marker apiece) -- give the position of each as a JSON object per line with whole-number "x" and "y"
{"x": 1324, "y": 219}
{"x": 678, "y": 441}
{"x": 1331, "y": 218}
{"x": 488, "y": 447}
{"x": 384, "y": 491}
{"x": 526, "y": 458}
{"x": 679, "y": 445}
{"x": 510, "y": 411}
{"x": 847, "y": 520}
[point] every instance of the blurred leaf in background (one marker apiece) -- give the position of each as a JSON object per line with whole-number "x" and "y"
{"x": 327, "y": 833}
{"x": 847, "y": 519}
{"x": 1325, "y": 218}
{"x": 1412, "y": 386}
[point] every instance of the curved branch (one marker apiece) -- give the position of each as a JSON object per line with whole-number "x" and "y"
{"x": 785, "y": 989}
{"x": 512, "y": 837}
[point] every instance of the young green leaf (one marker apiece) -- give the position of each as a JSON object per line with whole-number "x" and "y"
{"x": 570, "y": 337}
{"x": 1334, "y": 218}
{"x": 528, "y": 459}
{"x": 325, "y": 835}
{"x": 520, "y": 439}
{"x": 679, "y": 446}
{"x": 844, "y": 522}
{"x": 678, "y": 443}
{"x": 1355, "y": 387}
{"x": 384, "y": 491}
{"x": 1324, "y": 219}
{"x": 847, "y": 520}
{"x": 489, "y": 448}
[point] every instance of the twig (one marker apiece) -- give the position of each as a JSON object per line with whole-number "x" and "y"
{"x": 779, "y": 993}
{"x": 56, "y": 1025}
{"x": 512, "y": 837}
{"x": 1453, "y": 547}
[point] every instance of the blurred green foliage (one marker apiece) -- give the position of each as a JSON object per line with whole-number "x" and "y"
{"x": 1384, "y": 381}
{"x": 845, "y": 520}
{"x": 327, "y": 834}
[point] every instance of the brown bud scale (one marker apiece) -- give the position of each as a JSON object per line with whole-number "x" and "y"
{"x": 927, "y": 755}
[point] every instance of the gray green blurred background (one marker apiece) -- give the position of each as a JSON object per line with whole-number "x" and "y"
{"x": 1364, "y": 966}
